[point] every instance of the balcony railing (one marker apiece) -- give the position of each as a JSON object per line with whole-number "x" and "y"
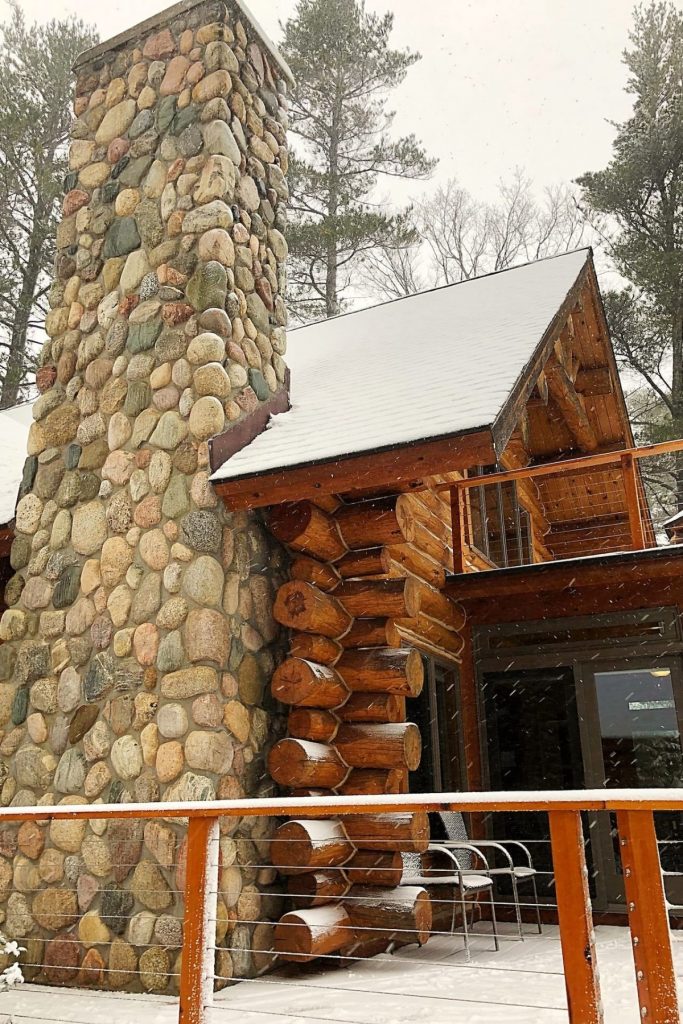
{"x": 597, "y": 504}
{"x": 645, "y": 898}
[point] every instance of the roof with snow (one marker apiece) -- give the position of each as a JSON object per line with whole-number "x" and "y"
{"x": 14, "y": 427}
{"x": 444, "y": 362}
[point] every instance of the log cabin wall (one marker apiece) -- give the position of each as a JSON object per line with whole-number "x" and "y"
{"x": 365, "y": 592}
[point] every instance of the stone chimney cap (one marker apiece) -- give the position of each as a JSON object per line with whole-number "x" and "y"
{"x": 169, "y": 14}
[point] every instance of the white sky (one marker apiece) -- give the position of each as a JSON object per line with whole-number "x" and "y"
{"x": 502, "y": 83}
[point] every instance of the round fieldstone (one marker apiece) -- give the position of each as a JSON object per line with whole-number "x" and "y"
{"x": 172, "y": 721}
{"x": 169, "y": 761}
{"x": 209, "y": 751}
{"x": 202, "y": 531}
{"x": 126, "y": 757}
{"x": 115, "y": 908}
{"x": 96, "y": 856}
{"x": 155, "y": 966}
{"x": 55, "y": 909}
{"x": 70, "y": 774}
{"x": 207, "y": 418}
{"x": 171, "y": 654}
{"x": 212, "y": 379}
{"x": 206, "y": 348}
{"x": 89, "y": 528}
{"x": 149, "y": 887}
{"x": 203, "y": 581}
{"x": 208, "y": 286}
{"x": 207, "y": 636}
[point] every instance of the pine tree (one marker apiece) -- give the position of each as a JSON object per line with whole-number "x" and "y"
{"x": 35, "y": 114}
{"x": 641, "y": 193}
{"x": 344, "y": 70}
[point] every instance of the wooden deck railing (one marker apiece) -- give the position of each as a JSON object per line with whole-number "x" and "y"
{"x": 625, "y": 460}
{"x": 647, "y": 910}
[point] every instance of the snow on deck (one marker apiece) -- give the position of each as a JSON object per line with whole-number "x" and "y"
{"x": 14, "y": 427}
{"x": 441, "y": 362}
{"x": 433, "y": 985}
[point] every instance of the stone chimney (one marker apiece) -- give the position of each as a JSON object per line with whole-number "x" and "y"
{"x": 138, "y": 639}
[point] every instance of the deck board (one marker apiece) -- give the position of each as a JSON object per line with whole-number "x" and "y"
{"x": 432, "y": 985}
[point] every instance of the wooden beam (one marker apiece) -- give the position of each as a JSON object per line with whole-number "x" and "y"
{"x": 607, "y": 457}
{"x": 400, "y": 468}
{"x": 647, "y": 917}
{"x": 628, "y": 468}
{"x": 573, "y": 575}
{"x": 594, "y": 381}
{"x": 576, "y": 921}
{"x": 564, "y": 393}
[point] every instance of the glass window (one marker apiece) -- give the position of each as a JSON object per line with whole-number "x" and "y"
{"x": 437, "y": 712}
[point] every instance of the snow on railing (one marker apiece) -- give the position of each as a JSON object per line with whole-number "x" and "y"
{"x": 644, "y": 890}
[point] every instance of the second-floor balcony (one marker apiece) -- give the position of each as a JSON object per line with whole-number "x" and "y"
{"x": 595, "y": 505}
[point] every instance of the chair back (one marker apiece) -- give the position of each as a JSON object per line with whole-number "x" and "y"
{"x": 412, "y": 866}
{"x": 454, "y": 824}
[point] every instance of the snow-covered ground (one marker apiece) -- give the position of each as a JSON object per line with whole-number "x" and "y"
{"x": 434, "y": 985}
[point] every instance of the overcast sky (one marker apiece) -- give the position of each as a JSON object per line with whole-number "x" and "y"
{"x": 502, "y": 83}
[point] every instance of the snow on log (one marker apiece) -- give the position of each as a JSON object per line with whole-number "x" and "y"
{"x": 301, "y": 763}
{"x": 380, "y": 746}
{"x": 307, "y": 684}
{"x": 302, "y": 606}
{"x": 299, "y": 846}
{"x": 397, "y": 831}
{"x": 305, "y": 527}
{"x": 303, "y": 935}
{"x": 382, "y": 670}
{"x": 405, "y": 912}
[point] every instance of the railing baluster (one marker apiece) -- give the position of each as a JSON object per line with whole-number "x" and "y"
{"x": 647, "y": 918}
{"x": 201, "y": 893}
{"x": 576, "y": 920}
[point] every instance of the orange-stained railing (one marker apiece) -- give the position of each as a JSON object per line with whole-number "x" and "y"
{"x": 592, "y": 489}
{"x": 645, "y": 897}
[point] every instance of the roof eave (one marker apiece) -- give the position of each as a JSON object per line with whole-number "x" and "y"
{"x": 403, "y": 467}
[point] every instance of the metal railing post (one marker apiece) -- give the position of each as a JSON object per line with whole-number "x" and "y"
{"x": 576, "y": 919}
{"x": 199, "y": 930}
{"x": 648, "y": 918}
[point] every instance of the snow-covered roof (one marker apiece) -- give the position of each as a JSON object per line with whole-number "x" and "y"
{"x": 438, "y": 363}
{"x": 14, "y": 427}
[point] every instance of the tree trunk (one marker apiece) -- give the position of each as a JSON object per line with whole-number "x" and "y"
{"x": 18, "y": 342}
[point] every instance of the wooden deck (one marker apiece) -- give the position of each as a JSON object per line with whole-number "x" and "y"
{"x": 521, "y": 983}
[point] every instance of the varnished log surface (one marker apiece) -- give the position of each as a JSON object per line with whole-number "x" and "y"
{"x": 304, "y": 606}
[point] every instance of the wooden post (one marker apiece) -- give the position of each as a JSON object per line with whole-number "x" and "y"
{"x": 458, "y": 525}
{"x": 576, "y": 920}
{"x": 635, "y": 522}
{"x": 201, "y": 893}
{"x": 647, "y": 918}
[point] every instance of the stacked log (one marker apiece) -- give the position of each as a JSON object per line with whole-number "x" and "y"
{"x": 364, "y": 576}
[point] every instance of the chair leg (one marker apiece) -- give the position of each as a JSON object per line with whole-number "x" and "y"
{"x": 465, "y": 931}
{"x": 538, "y": 905}
{"x": 494, "y": 920}
{"x": 518, "y": 912}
